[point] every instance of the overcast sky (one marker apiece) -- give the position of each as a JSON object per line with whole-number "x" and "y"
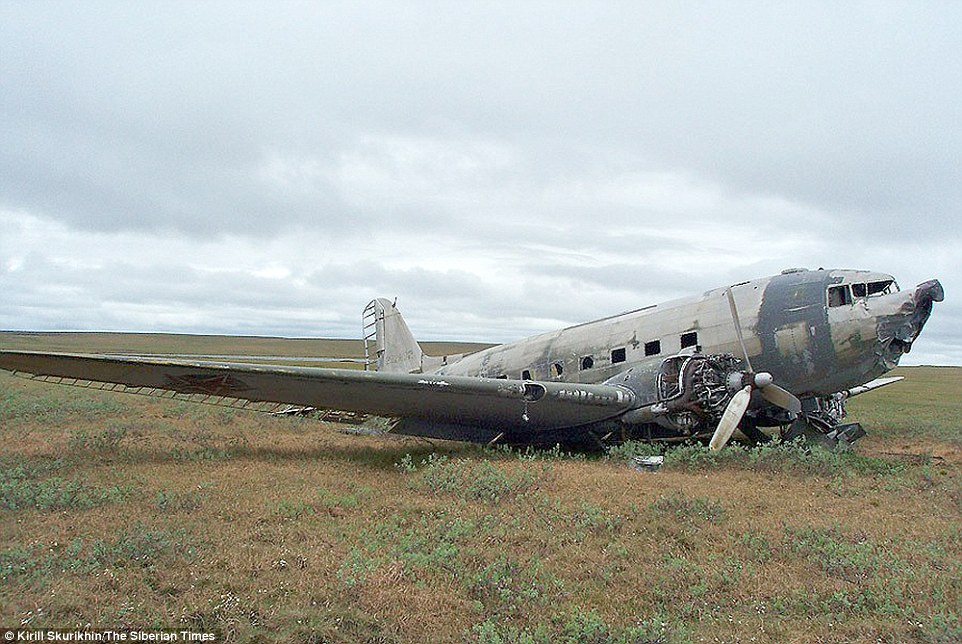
{"x": 501, "y": 168}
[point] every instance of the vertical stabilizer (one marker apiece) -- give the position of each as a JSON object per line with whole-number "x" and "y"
{"x": 397, "y": 350}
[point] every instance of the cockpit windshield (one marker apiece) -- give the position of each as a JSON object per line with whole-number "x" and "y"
{"x": 847, "y": 294}
{"x": 875, "y": 289}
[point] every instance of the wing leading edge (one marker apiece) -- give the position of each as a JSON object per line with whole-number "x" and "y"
{"x": 515, "y": 406}
{"x": 874, "y": 384}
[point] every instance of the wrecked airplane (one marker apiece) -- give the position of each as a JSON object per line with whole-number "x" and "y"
{"x": 781, "y": 352}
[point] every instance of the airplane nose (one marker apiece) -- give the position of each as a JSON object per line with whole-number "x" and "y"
{"x": 931, "y": 291}
{"x": 925, "y": 295}
{"x": 898, "y": 332}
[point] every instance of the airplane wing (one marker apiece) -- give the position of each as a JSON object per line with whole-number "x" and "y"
{"x": 874, "y": 384}
{"x": 516, "y": 406}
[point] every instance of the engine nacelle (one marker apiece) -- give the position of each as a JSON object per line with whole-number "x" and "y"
{"x": 685, "y": 393}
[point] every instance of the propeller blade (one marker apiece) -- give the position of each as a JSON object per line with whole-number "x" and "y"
{"x": 730, "y": 418}
{"x": 738, "y": 327}
{"x": 782, "y": 397}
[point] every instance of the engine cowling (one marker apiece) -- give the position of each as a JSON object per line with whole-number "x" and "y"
{"x": 686, "y": 393}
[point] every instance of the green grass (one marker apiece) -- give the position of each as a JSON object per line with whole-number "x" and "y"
{"x": 55, "y": 405}
{"x": 581, "y": 626}
{"x": 136, "y": 546}
{"x": 26, "y": 485}
{"x": 691, "y": 510}
{"x": 924, "y": 405}
{"x": 469, "y": 479}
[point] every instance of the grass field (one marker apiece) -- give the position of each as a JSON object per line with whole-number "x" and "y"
{"x": 298, "y": 351}
{"x": 121, "y": 511}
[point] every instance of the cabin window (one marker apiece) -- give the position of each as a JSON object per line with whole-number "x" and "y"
{"x": 839, "y": 295}
{"x": 501, "y": 377}
{"x": 557, "y": 369}
{"x": 618, "y": 355}
{"x": 587, "y": 362}
{"x": 653, "y": 348}
{"x": 858, "y": 290}
{"x": 526, "y": 374}
{"x": 689, "y": 339}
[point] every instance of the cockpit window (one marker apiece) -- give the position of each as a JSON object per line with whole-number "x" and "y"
{"x": 884, "y": 287}
{"x": 874, "y": 289}
{"x": 839, "y": 295}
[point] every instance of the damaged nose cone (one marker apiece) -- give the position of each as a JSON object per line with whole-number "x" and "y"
{"x": 925, "y": 294}
{"x": 899, "y": 331}
{"x": 931, "y": 291}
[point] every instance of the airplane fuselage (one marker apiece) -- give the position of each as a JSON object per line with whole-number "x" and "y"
{"x": 818, "y": 332}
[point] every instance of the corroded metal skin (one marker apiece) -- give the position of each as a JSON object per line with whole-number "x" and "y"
{"x": 816, "y": 332}
{"x": 789, "y": 329}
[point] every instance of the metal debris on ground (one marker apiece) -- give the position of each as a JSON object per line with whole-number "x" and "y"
{"x": 646, "y": 463}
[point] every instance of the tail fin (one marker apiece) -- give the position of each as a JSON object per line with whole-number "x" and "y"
{"x": 397, "y": 350}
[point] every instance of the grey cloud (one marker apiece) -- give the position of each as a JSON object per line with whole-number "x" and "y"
{"x": 522, "y": 164}
{"x": 165, "y": 115}
{"x": 438, "y": 288}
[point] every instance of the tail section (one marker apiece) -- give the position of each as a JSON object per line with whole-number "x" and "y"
{"x": 396, "y": 350}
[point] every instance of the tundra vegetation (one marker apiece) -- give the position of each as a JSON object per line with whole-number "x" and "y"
{"x": 120, "y": 511}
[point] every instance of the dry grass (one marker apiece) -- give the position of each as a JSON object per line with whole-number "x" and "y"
{"x": 118, "y": 511}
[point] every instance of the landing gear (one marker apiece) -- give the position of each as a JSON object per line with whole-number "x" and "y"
{"x": 749, "y": 427}
{"x": 814, "y": 433}
{"x": 822, "y": 426}
{"x": 817, "y": 431}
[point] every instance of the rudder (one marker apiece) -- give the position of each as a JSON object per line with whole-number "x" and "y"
{"x": 396, "y": 349}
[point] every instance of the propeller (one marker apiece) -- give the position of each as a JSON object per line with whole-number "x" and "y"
{"x": 730, "y": 418}
{"x": 739, "y": 403}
